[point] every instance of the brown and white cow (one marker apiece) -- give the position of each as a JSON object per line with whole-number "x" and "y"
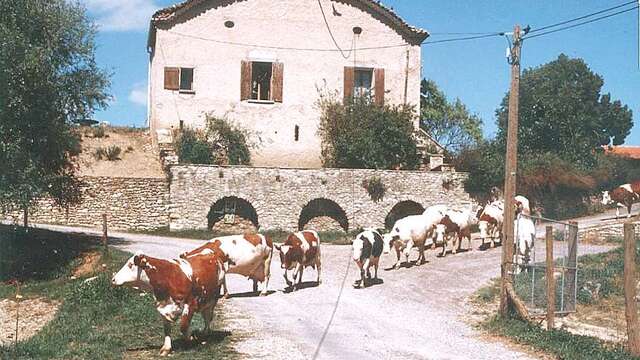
{"x": 456, "y": 225}
{"x": 180, "y": 287}
{"x": 623, "y": 195}
{"x": 248, "y": 255}
{"x": 300, "y": 249}
{"x": 490, "y": 220}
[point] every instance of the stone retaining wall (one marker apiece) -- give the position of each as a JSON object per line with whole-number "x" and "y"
{"x": 279, "y": 196}
{"x": 130, "y": 204}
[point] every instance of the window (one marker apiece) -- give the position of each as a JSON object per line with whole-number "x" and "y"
{"x": 364, "y": 82}
{"x": 178, "y": 79}
{"x": 261, "y": 81}
{"x": 363, "y": 79}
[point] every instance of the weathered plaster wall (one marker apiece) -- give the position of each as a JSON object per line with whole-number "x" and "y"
{"x": 130, "y": 204}
{"x": 279, "y": 195}
{"x": 282, "y": 23}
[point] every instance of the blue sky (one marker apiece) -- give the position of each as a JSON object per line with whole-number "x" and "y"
{"x": 474, "y": 71}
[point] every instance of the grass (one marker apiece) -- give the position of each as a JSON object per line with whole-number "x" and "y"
{"x": 560, "y": 343}
{"x": 96, "y": 321}
{"x": 327, "y": 237}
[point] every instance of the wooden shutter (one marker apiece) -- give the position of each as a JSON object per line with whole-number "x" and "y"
{"x": 379, "y": 86}
{"x": 171, "y": 78}
{"x": 245, "y": 80}
{"x": 349, "y": 81}
{"x": 277, "y": 73}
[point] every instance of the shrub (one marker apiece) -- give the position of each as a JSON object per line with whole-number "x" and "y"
{"x": 220, "y": 143}
{"x": 360, "y": 134}
{"x": 112, "y": 153}
{"x": 97, "y": 132}
{"x": 375, "y": 188}
{"x": 99, "y": 153}
{"x": 193, "y": 148}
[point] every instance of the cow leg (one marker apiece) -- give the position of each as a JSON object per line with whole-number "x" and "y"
{"x": 453, "y": 243}
{"x": 470, "y": 247}
{"x": 364, "y": 273}
{"x": 629, "y": 205}
{"x": 286, "y": 278}
{"x": 300, "y": 271}
{"x": 375, "y": 268}
{"x": 397, "y": 265}
{"x": 185, "y": 322}
{"x": 225, "y": 291}
{"x": 617, "y": 211}
{"x": 166, "y": 347}
{"x": 318, "y": 266}
{"x": 421, "y": 259}
{"x": 207, "y": 314}
{"x": 267, "y": 275}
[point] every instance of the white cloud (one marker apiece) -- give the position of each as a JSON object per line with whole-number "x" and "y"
{"x": 122, "y": 15}
{"x": 138, "y": 94}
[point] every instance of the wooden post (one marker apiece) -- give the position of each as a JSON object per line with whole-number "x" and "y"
{"x": 25, "y": 217}
{"x": 551, "y": 281}
{"x": 630, "y": 283}
{"x": 570, "y": 277}
{"x": 510, "y": 173}
{"x": 104, "y": 233}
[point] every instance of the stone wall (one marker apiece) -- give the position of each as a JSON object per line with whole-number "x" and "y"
{"x": 130, "y": 204}
{"x": 280, "y": 195}
{"x": 606, "y": 232}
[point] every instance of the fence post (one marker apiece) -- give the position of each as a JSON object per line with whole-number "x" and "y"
{"x": 631, "y": 307}
{"x": 572, "y": 268}
{"x": 551, "y": 281}
{"x": 104, "y": 234}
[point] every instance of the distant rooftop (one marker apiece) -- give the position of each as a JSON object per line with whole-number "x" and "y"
{"x": 632, "y": 152}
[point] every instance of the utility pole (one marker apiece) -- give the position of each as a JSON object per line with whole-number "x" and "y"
{"x": 510, "y": 173}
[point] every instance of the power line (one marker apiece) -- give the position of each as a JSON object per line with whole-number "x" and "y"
{"x": 324, "y": 16}
{"x": 580, "y": 23}
{"x": 459, "y": 33}
{"x": 583, "y": 17}
{"x": 463, "y": 38}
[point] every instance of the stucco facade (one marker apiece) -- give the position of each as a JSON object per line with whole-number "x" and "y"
{"x": 198, "y": 38}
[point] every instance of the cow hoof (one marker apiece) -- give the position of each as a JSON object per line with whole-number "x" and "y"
{"x": 165, "y": 352}
{"x": 264, "y": 293}
{"x": 225, "y": 296}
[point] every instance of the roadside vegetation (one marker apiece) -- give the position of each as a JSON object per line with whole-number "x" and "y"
{"x": 600, "y": 300}
{"x": 220, "y": 143}
{"x": 94, "y": 320}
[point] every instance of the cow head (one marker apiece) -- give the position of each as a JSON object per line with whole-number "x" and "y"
{"x": 388, "y": 240}
{"x": 439, "y": 233}
{"x": 286, "y": 261}
{"x": 606, "y": 198}
{"x": 133, "y": 272}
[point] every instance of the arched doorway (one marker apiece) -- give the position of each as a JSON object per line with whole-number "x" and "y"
{"x": 232, "y": 214}
{"x": 400, "y": 210}
{"x": 323, "y": 215}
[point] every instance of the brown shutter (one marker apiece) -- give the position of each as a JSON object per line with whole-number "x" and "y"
{"x": 245, "y": 80}
{"x": 349, "y": 81}
{"x": 379, "y": 86}
{"x": 277, "y": 72}
{"x": 171, "y": 78}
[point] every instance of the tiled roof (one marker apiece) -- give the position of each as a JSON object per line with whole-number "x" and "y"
{"x": 412, "y": 35}
{"x": 632, "y": 152}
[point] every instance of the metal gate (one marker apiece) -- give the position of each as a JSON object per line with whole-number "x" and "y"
{"x": 530, "y": 268}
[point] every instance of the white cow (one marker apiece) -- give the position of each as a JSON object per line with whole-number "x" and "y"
{"x": 414, "y": 230}
{"x": 525, "y": 235}
{"x": 457, "y": 225}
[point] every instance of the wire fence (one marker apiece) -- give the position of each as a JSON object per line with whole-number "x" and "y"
{"x": 530, "y": 280}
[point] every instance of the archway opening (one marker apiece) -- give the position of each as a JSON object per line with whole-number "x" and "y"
{"x": 232, "y": 214}
{"x": 400, "y": 210}
{"x": 323, "y": 215}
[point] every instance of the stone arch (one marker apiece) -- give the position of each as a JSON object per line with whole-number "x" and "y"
{"x": 244, "y": 215}
{"x": 323, "y": 208}
{"x": 402, "y": 209}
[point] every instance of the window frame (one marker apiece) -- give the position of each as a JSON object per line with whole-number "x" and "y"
{"x": 371, "y": 74}
{"x": 180, "y": 89}
{"x": 258, "y": 100}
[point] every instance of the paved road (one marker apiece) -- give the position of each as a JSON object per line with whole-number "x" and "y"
{"x": 416, "y": 313}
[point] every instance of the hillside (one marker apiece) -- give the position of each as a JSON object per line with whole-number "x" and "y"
{"x": 135, "y": 159}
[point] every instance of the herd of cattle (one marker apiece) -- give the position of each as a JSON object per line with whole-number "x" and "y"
{"x": 192, "y": 283}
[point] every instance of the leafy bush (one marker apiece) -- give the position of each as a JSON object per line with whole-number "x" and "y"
{"x": 360, "y": 134}
{"x": 220, "y": 144}
{"x": 100, "y": 153}
{"x": 375, "y": 188}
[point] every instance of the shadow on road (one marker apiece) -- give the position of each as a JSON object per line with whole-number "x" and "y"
{"x": 250, "y": 294}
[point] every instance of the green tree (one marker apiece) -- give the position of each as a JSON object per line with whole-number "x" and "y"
{"x": 450, "y": 124}
{"x": 360, "y": 134}
{"x": 49, "y": 79}
{"x": 563, "y": 112}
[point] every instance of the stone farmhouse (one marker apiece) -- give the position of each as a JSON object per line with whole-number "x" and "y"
{"x": 262, "y": 63}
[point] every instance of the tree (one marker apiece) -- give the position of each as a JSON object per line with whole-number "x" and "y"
{"x": 360, "y": 134}
{"x": 450, "y": 124}
{"x": 49, "y": 79}
{"x": 562, "y": 112}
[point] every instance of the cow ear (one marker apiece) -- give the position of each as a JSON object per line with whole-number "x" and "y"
{"x": 140, "y": 261}
{"x": 278, "y": 247}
